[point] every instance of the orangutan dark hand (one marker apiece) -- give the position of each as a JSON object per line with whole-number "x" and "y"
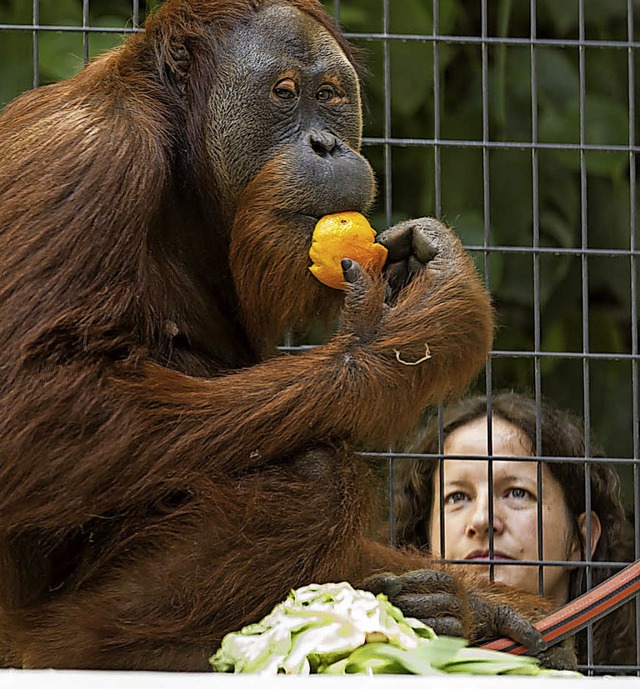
{"x": 431, "y": 596}
{"x": 490, "y": 620}
{"x": 439, "y": 601}
{"x": 364, "y": 301}
{"x": 411, "y": 244}
{"x": 562, "y": 656}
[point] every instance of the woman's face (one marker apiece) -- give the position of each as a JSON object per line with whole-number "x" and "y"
{"x": 515, "y": 509}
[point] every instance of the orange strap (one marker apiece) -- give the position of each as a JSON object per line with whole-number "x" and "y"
{"x": 578, "y": 613}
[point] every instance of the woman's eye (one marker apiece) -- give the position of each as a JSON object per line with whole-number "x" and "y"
{"x": 325, "y": 93}
{"x": 454, "y": 498}
{"x": 519, "y": 493}
{"x": 286, "y": 89}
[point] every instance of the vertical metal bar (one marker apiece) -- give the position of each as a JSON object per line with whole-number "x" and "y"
{"x": 36, "y": 43}
{"x": 584, "y": 241}
{"x": 490, "y": 475}
{"x": 85, "y": 34}
{"x": 387, "y": 114}
{"x": 135, "y": 14}
{"x": 393, "y": 531}
{"x": 487, "y": 269}
{"x": 441, "y": 479}
{"x": 487, "y": 242}
{"x": 388, "y": 202}
{"x": 436, "y": 112}
{"x": 336, "y": 10}
{"x": 633, "y": 247}
{"x": 535, "y": 242}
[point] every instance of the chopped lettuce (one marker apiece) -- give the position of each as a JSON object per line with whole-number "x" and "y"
{"x": 336, "y": 629}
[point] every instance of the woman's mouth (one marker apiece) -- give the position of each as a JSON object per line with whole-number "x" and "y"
{"x": 484, "y": 555}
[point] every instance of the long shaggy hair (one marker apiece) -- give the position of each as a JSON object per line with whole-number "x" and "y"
{"x": 561, "y": 435}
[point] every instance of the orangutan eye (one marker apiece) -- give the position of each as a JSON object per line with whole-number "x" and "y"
{"x": 286, "y": 89}
{"x": 325, "y": 94}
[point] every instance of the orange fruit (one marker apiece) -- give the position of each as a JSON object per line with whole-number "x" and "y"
{"x": 344, "y": 235}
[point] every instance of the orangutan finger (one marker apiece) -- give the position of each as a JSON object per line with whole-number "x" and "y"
{"x": 425, "y": 240}
{"x": 383, "y": 582}
{"x": 397, "y": 240}
{"x": 445, "y": 626}
{"x": 510, "y": 623}
{"x": 427, "y": 580}
{"x": 429, "y": 605}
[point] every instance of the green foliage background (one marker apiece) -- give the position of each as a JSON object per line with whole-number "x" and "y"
{"x": 506, "y": 215}
{"x": 596, "y": 214}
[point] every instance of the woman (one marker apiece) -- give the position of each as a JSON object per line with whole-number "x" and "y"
{"x": 456, "y": 526}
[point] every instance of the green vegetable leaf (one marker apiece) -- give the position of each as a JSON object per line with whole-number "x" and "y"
{"x": 335, "y": 629}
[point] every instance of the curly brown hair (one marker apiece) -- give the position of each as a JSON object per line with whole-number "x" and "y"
{"x": 559, "y": 434}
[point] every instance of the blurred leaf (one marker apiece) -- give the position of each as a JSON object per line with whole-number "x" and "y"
{"x": 470, "y": 228}
{"x": 60, "y": 12}
{"x": 554, "y": 339}
{"x": 609, "y": 213}
{"x": 563, "y": 14}
{"x": 607, "y": 73}
{"x": 410, "y": 17}
{"x": 410, "y": 87}
{"x": 558, "y": 79}
{"x": 351, "y": 16}
{"x": 511, "y": 200}
{"x": 101, "y": 42}
{"x": 558, "y": 190}
{"x": 553, "y": 269}
{"x": 16, "y": 65}
{"x": 555, "y": 228}
{"x": 517, "y": 282}
{"x": 566, "y": 15}
{"x": 359, "y": 16}
{"x": 450, "y": 12}
{"x": 60, "y": 56}
{"x": 16, "y": 51}
{"x": 598, "y": 12}
{"x": 510, "y": 98}
{"x": 606, "y": 123}
{"x": 604, "y": 333}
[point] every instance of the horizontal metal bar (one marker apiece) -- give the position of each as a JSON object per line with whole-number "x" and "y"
{"x": 517, "y": 145}
{"x": 494, "y": 40}
{"x": 553, "y": 250}
{"x": 404, "y": 456}
{"x": 65, "y": 29}
{"x": 401, "y": 38}
{"x": 599, "y": 356}
{"x": 599, "y": 564}
{"x": 625, "y": 669}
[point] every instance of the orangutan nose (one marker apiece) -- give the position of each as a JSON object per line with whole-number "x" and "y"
{"x": 324, "y": 143}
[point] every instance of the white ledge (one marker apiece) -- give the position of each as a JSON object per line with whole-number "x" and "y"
{"x": 80, "y": 679}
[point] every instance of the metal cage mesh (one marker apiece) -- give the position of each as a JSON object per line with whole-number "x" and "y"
{"x": 414, "y": 68}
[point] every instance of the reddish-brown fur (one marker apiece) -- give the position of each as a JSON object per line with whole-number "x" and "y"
{"x": 154, "y": 497}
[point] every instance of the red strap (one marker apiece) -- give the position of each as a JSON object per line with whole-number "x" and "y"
{"x": 581, "y": 611}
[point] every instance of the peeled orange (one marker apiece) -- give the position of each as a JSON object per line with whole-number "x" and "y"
{"x": 343, "y": 235}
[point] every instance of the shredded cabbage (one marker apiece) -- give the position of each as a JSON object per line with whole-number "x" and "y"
{"x": 336, "y": 629}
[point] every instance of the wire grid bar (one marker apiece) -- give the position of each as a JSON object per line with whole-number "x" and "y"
{"x": 70, "y": 28}
{"x": 486, "y": 144}
{"x": 547, "y": 459}
{"x": 493, "y": 40}
{"x": 371, "y": 36}
{"x": 583, "y": 252}
{"x": 519, "y": 145}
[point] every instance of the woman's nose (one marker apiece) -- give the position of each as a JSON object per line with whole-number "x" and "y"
{"x": 479, "y": 521}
